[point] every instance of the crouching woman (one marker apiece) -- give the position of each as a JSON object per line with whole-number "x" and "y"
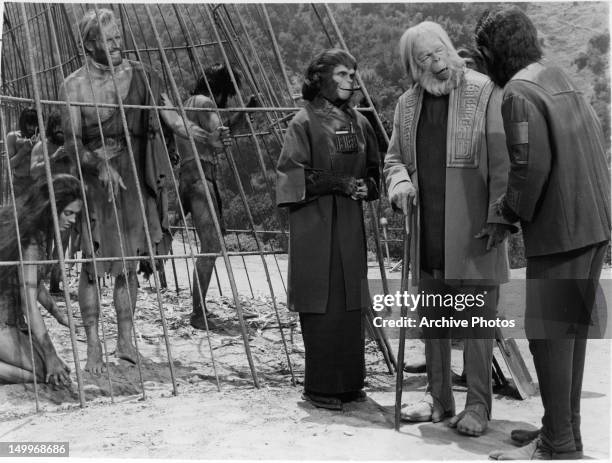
{"x": 19, "y": 291}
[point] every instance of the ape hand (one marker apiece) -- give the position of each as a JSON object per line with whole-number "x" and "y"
{"x": 361, "y": 190}
{"x": 403, "y": 197}
{"x": 111, "y": 180}
{"x": 495, "y": 233}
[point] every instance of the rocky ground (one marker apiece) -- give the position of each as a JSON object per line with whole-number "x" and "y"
{"x": 218, "y": 413}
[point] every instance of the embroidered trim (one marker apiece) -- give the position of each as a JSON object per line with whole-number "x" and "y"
{"x": 466, "y": 122}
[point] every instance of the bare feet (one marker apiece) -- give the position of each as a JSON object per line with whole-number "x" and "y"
{"x": 471, "y": 421}
{"x": 425, "y": 410}
{"x": 126, "y": 351}
{"x": 94, "y": 364}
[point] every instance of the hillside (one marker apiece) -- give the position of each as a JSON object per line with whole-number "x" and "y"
{"x": 566, "y": 28}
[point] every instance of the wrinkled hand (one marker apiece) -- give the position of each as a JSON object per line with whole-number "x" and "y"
{"x": 495, "y": 233}
{"x": 361, "y": 190}
{"x": 404, "y": 197}
{"x": 58, "y": 373}
{"x": 111, "y": 180}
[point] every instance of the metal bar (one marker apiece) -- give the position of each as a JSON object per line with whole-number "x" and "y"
{"x": 210, "y": 205}
{"x": 21, "y": 265}
{"x": 116, "y": 216}
{"x": 359, "y": 80}
{"x": 135, "y": 106}
{"x": 184, "y": 220}
{"x": 276, "y": 50}
{"x": 243, "y": 196}
{"x": 54, "y": 214}
{"x": 244, "y": 263}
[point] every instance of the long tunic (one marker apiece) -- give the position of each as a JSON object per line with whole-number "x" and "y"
{"x": 309, "y": 143}
{"x": 327, "y": 249}
{"x": 559, "y": 182}
{"x": 476, "y": 175}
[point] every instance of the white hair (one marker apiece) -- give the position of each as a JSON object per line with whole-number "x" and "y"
{"x": 410, "y": 38}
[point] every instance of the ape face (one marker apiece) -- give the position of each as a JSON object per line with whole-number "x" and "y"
{"x": 339, "y": 85}
{"x": 432, "y": 56}
{"x": 113, "y": 41}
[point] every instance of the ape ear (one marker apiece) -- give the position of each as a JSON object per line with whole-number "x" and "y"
{"x": 486, "y": 53}
{"x": 316, "y": 77}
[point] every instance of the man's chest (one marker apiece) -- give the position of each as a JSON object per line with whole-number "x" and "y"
{"x": 101, "y": 90}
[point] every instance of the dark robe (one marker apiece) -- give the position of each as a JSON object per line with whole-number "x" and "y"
{"x": 152, "y": 170}
{"x": 431, "y": 159}
{"x": 327, "y": 247}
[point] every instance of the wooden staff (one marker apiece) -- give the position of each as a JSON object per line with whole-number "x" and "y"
{"x": 403, "y": 313}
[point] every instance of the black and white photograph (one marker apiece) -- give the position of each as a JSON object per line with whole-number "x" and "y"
{"x": 305, "y": 231}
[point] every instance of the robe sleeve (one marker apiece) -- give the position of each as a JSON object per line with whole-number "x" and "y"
{"x": 497, "y": 157}
{"x": 294, "y": 158}
{"x": 395, "y": 170}
{"x": 530, "y": 155}
{"x": 372, "y": 161}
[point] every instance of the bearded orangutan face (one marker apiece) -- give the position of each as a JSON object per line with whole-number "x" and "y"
{"x": 432, "y": 56}
{"x": 339, "y": 85}
{"x": 439, "y": 72}
{"x": 112, "y": 36}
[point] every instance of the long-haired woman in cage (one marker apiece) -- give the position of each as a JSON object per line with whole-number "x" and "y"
{"x": 19, "y": 291}
{"x": 328, "y": 165}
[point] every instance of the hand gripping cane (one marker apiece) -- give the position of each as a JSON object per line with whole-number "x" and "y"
{"x": 399, "y": 379}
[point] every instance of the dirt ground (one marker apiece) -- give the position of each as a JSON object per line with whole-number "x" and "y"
{"x": 240, "y": 421}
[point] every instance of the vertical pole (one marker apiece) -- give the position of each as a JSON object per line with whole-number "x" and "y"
{"x": 56, "y": 230}
{"x": 210, "y": 205}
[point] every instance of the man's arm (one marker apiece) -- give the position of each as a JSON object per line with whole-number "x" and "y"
{"x": 17, "y": 148}
{"x": 72, "y": 126}
{"x": 37, "y": 161}
{"x": 530, "y": 156}
{"x": 216, "y": 138}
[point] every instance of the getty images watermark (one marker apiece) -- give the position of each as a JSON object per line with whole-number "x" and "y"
{"x": 437, "y": 310}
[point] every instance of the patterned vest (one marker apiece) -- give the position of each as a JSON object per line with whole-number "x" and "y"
{"x": 467, "y": 107}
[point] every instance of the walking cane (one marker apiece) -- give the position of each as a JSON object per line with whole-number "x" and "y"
{"x": 399, "y": 379}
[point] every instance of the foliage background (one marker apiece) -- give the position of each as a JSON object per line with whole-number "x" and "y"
{"x": 574, "y": 36}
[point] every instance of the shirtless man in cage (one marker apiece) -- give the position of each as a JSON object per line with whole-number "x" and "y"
{"x": 215, "y": 82}
{"x": 111, "y": 180}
